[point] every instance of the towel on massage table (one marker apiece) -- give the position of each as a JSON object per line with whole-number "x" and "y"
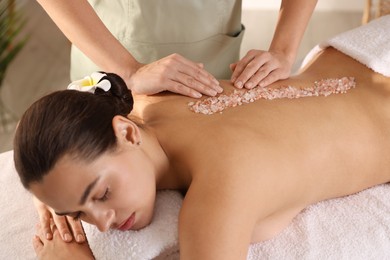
{"x": 353, "y": 227}
{"x": 368, "y": 44}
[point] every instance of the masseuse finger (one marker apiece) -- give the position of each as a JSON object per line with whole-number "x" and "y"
{"x": 261, "y": 74}
{"x": 197, "y": 70}
{"x": 77, "y": 229}
{"x": 232, "y": 67}
{"x": 198, "y": 73}
{"x": 259, "y": 65}
{"x": 191, "y": 83}
{"x": 194, "y": 78}
{"x": 62, "y": 226}
{"x": 272, "y": 77}
{"x": 239, "y": 67}
{"x": 179, "y": 88}
{"x": 272, "y": 71}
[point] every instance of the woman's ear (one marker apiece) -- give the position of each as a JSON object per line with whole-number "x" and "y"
{"x": 126, "y": 131}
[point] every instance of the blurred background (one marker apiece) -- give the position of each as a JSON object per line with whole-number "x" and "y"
{"x": 42, "y": 65}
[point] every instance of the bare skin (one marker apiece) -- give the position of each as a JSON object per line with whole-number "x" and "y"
{"x": 44, "y": 248}
{"x": 249, "y": 170}
{"x": 261, "y": 68}
{"x": 275, "y": 157}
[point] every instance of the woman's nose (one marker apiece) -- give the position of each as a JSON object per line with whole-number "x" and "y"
{"x": 104, "y": 219}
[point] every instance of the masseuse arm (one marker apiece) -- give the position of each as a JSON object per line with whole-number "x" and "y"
{"x": 262, "y": 68}
{"x": 81, "y": 25}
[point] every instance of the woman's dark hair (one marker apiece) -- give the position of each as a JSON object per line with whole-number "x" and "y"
{"x": 68, "y": 121}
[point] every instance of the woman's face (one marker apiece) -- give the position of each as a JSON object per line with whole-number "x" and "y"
{"x": 116, "y": 190}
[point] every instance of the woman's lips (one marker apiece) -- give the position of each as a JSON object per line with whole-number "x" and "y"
{"x": 128, "y": 223}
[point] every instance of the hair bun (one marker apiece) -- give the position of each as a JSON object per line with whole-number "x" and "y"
{"x": 118, "y": 91}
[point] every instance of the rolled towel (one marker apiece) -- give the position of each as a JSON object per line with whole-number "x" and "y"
{"x": 369, "y": 44}
{"x": 159, "y": 239}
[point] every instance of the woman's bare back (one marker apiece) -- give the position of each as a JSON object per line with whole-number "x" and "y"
{"x": 283, "y": 154}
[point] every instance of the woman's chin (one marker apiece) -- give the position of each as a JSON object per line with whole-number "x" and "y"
{"x": 142, "y": 223}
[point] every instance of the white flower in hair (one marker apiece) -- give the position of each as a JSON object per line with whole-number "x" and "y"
{"x": 90, "y": 83}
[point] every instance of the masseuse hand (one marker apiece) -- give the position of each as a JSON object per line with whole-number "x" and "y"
{"x": 65, "y": 225}
{"x": 176, "y": 74}
{"x": 260, "y": 68}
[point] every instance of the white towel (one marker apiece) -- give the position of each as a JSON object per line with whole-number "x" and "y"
{"x": 160, "y": 238}
{"x": 353, "y": 227}
{"x": 17, "y": 213}
{"x": 368, "y": 44}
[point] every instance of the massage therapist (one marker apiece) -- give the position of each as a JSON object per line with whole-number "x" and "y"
{"x": 176, "y": 45}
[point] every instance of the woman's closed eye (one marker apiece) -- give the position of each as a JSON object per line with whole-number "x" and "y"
{"x": 77, "y": 216}
{"x": 105, "y": 195}
{"x": 102, "y": 199}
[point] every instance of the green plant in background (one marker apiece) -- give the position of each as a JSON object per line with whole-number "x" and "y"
{"x": 12, "y": 23}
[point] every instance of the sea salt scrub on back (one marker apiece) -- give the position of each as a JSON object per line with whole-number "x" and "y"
{"x": 323, "y": 87}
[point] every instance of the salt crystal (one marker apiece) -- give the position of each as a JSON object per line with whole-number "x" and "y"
{"x": 323, "y": 87}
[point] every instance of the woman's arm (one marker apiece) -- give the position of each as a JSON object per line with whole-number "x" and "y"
{"x": 81, "y": 25}
{"x": 56, "y": 248}
{"x": 263, "y": 68}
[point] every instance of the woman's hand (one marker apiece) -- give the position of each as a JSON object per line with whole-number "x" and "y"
{"x": 260, "y": 68}
{"x": 176, "y": 74}
{"x": 67, "y": 226}
{"x": 56, "y": 248}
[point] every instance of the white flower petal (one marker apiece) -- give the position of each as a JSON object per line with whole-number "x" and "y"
{"x": 89, "y": 83}
{"x": 73, "y": 87}
{"x": 96, "y": 77}
{"x": 104, "y": 84}
{"x": 76, "y": 84}
{"x": 90, "y": 89}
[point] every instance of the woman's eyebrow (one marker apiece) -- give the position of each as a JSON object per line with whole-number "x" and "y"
{"x": 88, "y": 191}
{"x": 83, "y": 197}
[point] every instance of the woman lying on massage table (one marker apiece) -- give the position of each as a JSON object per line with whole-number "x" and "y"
{"x": 247, "y": 171}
